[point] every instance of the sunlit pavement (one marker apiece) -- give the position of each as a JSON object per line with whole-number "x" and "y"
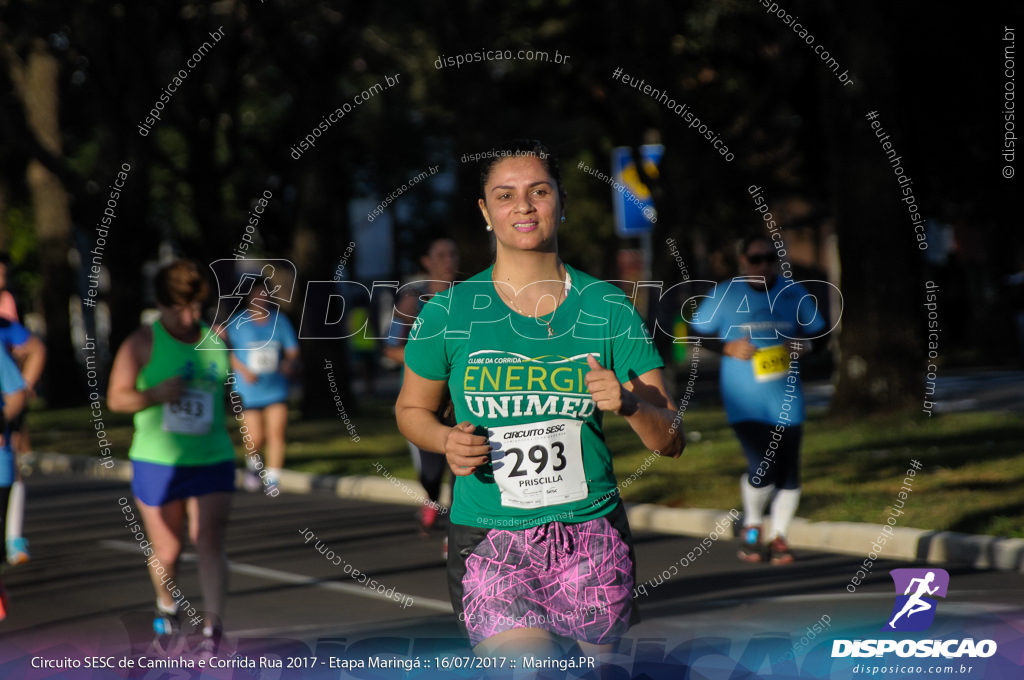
{"x": 86, "y": 591}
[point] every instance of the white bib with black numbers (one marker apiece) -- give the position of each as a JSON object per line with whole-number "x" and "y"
{"x": 264, "y": 359}
{"x": 539, "y": 464}
{"x": 191, "y": 414}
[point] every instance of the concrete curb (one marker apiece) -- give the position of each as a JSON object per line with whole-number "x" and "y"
{"x": 847, "y": 538}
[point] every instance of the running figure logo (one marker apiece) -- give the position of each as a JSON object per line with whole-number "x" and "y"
{"x": 257, "y": 289}
{"x": 913, "y": 610}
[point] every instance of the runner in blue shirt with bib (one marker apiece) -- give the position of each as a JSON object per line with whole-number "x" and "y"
{"x": 265, "y": 354}
{"x": 759, "y": 320}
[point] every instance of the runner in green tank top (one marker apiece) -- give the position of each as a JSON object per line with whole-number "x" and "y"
{"x": 182, "y": 457}
{"x": 190, "y": 431}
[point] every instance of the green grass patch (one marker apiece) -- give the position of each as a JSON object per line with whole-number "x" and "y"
{"x": 972, "y": 479}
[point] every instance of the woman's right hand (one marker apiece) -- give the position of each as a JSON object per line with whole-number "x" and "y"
{"x": 167, "y": 391}
{"x": 464, "y": 450}
{"x": 741, "y": 349}
{"x": 248, "y": 376}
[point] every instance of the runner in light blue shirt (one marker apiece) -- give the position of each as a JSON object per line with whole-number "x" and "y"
{"x": 758, "y": 321}
{"x": 265, "y": 355}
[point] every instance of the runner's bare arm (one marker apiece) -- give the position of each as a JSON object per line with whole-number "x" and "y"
{"x": 644, "y": 402}
{"x": 292, "y": 365}
{"x": 32, "y": 354}
{"x": 655, "y": 414}
{"x": 741, "y": 349}
{"x": 122, "y": 397}
{"x": 14, "y": 403}
{"x": 396, "y": 354}
{"x": 236, "y": 364}
{"x": 416, "y": 413}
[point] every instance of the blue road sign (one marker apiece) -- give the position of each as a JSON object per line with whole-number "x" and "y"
{"x": 634, "y": 207}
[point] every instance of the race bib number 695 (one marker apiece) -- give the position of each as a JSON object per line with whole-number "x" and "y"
{"x": 770, "y": 363}
{"x": 538, "y": 464}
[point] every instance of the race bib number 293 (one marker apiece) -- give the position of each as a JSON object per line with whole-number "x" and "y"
{"x": 539, "y": 464}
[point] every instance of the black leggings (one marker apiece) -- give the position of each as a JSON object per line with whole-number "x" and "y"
{"x": 431, "y": 467}
{"x": 5, "y": 497}
{"x": 767, "y": 465}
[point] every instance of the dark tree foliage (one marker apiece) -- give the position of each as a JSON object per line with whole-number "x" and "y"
{"x": 230, "y": 132}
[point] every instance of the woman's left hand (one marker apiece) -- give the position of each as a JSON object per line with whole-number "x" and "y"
{"x": 606, "y": 390}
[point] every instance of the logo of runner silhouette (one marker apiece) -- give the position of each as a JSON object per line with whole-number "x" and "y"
{"x": 914, "y": 610}
{"x": 258, "y": 287}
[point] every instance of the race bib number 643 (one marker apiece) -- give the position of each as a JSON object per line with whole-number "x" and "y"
{"x": 538, "y": 464}
{"x": 191, "y": 414}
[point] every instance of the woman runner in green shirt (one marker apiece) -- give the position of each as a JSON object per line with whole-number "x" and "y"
{"x": 533, "y": 352}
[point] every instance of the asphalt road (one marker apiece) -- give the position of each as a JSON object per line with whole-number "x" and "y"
{"x": 86, "y": 592}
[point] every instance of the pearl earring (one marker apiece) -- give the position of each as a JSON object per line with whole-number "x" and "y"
{"x": 489, "y": 228}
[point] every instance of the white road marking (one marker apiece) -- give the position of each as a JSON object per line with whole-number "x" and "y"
{"x": 299, "y": 579}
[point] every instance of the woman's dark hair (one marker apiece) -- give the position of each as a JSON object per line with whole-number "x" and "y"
{"x": 752, "y": 238}
{"x": 521, "y": 147}
{"x": 425, "y": 240}
{"x": 180, "y": 283}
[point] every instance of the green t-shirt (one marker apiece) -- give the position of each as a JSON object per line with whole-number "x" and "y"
{"x": 507, "y": 376}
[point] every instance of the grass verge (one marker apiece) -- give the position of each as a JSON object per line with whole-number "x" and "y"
{"x": 972, "y": 476}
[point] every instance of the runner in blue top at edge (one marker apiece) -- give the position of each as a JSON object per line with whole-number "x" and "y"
{"x": 12, "y": 403}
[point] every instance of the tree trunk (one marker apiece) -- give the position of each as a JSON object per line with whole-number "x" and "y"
{"x": 39, "y": 95}
{"x": 881, "y": 363}
{"x": 4, "y": 200}
{"x": 314, "y": 258}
